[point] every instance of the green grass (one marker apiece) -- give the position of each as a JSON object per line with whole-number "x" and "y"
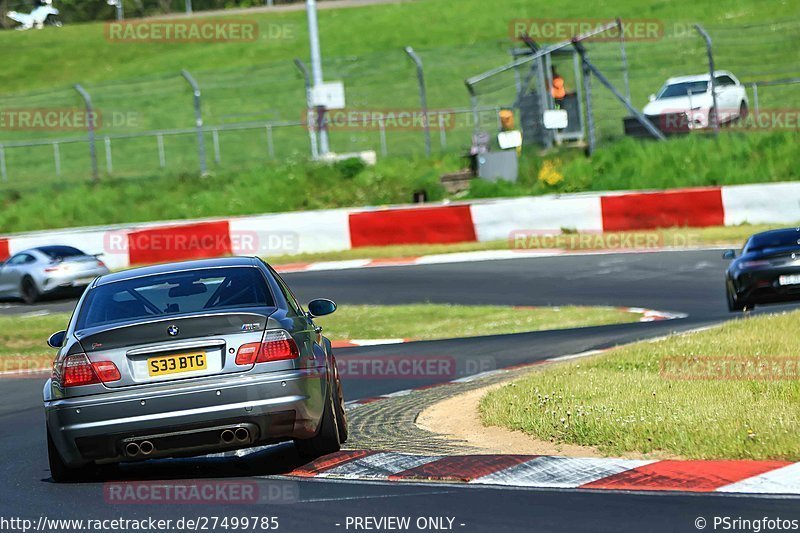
{"x": 623, "y": 402}
{"x": 437, "y": 321}
{"x": 243, "y": 81}
{"x": 23, "y": 346}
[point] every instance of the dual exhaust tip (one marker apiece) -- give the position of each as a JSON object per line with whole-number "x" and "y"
{"x": 238, "y": 435}
{"x": 134, "y": 449}
{"x": 144, "y": 448}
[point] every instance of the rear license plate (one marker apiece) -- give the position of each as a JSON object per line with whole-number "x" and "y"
{"x": 175, "y": 364}
{"x": 791, "y": 279}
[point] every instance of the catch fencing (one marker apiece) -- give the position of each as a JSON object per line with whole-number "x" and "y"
{"x": 259, "y": 115}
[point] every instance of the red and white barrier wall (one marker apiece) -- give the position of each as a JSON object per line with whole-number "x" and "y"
{"x": 342, "y": 229}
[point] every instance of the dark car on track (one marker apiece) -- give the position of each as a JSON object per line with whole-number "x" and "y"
{"x": 187, "y": 359}
{"x": 766, "y": 271}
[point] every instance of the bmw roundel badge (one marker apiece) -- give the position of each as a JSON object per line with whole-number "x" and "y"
{"x": 173, "y": 330}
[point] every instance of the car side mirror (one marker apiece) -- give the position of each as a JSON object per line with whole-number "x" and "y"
{"x": 56, "y": 340}
{"x": 729, "y": 254}
{"x": 321, "y": 307}
{"x": 652, "y": 98}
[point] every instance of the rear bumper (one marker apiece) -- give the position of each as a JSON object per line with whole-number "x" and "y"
{"x": 762, "y": 286}
{"x": 56, "y": 282}
{"x": 275, "y": 405}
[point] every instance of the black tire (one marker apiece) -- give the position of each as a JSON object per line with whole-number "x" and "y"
{"x": 327, "y": 438}
{"x": 734, "y": 305}
{"x": 341, "y": 413}
{"x": 743, "y": 111}
{"x": 59, "y": 471}
{"x": 28, "y": 290}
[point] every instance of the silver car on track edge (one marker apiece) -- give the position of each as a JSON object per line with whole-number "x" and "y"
{"x": 36, "y": 272}
{"x": 186, "y": 359}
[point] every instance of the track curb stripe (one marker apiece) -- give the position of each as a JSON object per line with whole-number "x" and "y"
{"x": 695, "y": 476}
{"x": 530, "y": 471}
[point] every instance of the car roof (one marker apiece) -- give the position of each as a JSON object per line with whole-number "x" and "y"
{"x": 781, "y": 231}
{"x": 182, "y": 266}
{"x": 697, "y": 77}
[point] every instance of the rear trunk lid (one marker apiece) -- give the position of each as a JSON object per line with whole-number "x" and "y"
{"x": 179, "y": 347}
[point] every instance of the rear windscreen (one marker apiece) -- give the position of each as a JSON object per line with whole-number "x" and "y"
{"x": 163, "y": 295}
{"x": 758, "y": 243}
{"x": 60, "y": 252}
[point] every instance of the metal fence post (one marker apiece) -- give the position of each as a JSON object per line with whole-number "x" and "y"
{"x": 312, "y": 135}
{"x": 473, "y": 102}
{"x": 109, "y": 162}
{"x": 624, "y": 54}
{"x": 755, "y": 98}
{"x": 587, "y": 94}
{"x": 162, "y": 156}
{"x": 3, "y": 163}
{"x": 57, "y": 159}
{"x": 198, "y": 116}
{"x": 188, "y": 7}
{"x": 442, "y": 134}
{"x": 90, "y": 118}
{"x": 215, "y": 138}
{"x": 120, "y": 9}
{"x": 270, "y": 146}
{"x": 423, "y": 96}
{"x": 710, "y": 52}
{"x": 382, "y": 130}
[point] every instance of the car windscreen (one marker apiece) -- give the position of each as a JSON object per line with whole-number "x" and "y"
{"x": 682, "y": 89}
{"x": 783, "y": 239}
{"x": 57, "y": 253}
{"x": 163, "y": 295}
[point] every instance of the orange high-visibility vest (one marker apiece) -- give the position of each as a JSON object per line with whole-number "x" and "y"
{"x": 558, "y": 91}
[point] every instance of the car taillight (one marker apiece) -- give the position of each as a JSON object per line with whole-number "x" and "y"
{"x": 247, "y": 353}
{"x": 100, "y": 264}
{"x": 755, "y": 264}
{"x": 76, "y": 370}
{"x": 106, "y": 371}
{"x": 278, "y": 345}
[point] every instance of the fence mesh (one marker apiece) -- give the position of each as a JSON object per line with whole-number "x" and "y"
{"x": 256, "y": 115}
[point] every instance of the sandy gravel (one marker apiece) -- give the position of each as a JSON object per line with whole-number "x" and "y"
{"x": 457, "y": 418}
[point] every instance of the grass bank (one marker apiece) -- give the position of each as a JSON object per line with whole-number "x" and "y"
{"x": 299, "y": 185}
{"x": 22, "y": 338}
{"x": 732, "y": 392}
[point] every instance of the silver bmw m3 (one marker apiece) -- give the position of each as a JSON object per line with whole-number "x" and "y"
{"x": 187, "y": 359}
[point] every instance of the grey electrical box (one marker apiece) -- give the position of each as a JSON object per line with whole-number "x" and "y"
{"x": 498, "y": 165}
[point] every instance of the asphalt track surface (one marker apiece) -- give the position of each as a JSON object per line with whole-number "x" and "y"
{"x": 688, "y": 282}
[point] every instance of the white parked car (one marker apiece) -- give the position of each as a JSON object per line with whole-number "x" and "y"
{"x": 688, "y": 101}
